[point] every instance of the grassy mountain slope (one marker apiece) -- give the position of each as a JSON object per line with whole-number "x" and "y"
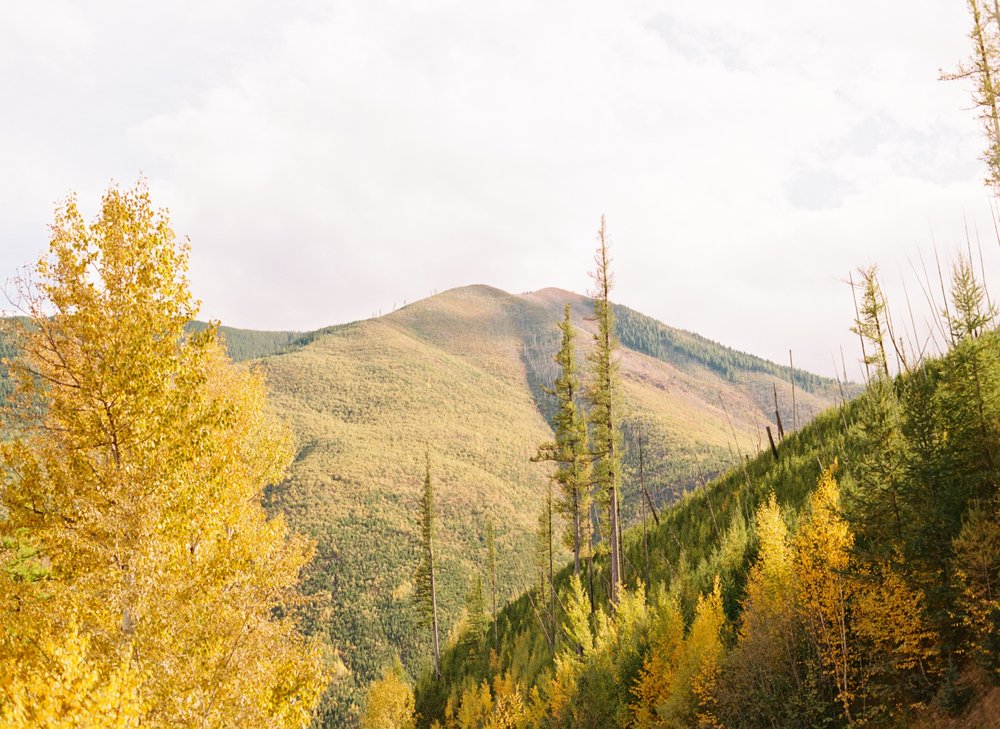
{"x": 461, "y": 373}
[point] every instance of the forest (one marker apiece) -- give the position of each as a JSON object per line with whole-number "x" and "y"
{"x": 848, "y": 578}
{"x": 207, "y": 526}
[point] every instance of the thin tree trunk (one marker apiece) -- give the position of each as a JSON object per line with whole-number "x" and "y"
{"x": 770, "y": 438}
{"x": 777, "y": 414}
{"x": 791, "y": 377}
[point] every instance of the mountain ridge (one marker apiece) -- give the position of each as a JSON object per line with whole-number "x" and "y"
{"x": 461, "y": 375}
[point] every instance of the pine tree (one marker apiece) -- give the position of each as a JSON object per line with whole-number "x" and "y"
{"x": 544, "y": 566}
{"x": 569, "y": 450}
{"x": 877, "y": 506}
{"x": 491, "y": 566}
{"x": 985, "y": 37}
{"x": 603, "y": 397}
{"x": 426, "y": 592}
{"x": 136, "y": 470}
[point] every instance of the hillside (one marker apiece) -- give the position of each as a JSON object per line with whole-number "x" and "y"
{"x": 862, "y": 595}
{"x": 460, "y": 374}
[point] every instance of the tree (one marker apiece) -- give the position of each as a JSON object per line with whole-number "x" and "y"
{"x": 690, "y": 696}
{"x": 985, "y": 37}
{"x": 569, "y": 450}
{"x": 390, "y": 701}
{"x": 426, "y": 592}
{"x": 544, "y": 566}
{"x": 136, "y": 467}
{"x": 491, "y": 566}
{"x": 666, "y": 642}
{"x": 822, "y": 557}
{"x": 603, "y": 396}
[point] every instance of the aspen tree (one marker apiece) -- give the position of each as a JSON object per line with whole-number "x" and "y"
{"x": 137, "y": 462}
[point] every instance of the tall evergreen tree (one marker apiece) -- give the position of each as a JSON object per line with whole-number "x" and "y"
{"x": 569, "y": 450}
{"x": 603, "y": 398}
{"x": 425, "y": 577}
{"x": 491, "y": 566}
{"x": 877, "y": 505}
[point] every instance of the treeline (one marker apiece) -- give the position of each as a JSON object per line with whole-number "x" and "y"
{"x": 851, "y": 580}
{"x": 657, "y": 340}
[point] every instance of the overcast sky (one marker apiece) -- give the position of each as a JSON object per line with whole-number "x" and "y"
{"x": 330, "y": 160}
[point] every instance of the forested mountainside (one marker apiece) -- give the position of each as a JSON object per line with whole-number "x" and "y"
{"x": 848, "y": 580}
{"x": 460, "y": 374}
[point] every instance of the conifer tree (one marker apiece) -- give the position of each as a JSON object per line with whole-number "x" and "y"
{"x": 569, "y": 450}
{"x": 985, "y": 37}
{"x": 544, "y": 565}
{"x": 491, "y": 566}
{"x": 878, "y": 509}
{"x": 136, "y": 470}
{"x": 426, "y": 592}
{"x": 603, "y": 397}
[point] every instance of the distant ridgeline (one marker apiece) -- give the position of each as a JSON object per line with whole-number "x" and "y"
{"x": 644, "y": 334}
{"x": 247, "y": 344}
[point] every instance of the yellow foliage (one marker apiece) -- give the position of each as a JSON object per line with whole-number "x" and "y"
{"x": 138, "y": 468}
{"x": 508, "y": 704}
{"x": 690, "y": 689}
{"x": 704, "y": 648}
{"x": 70, "y": 690}
{"x": 502, "y": 709}
{"x": 890, "y": 616}
{"x": 390, "y": 703}
{"x": 822, "y": 555}
{"x": 562, "y": 688}
{"x": 666, "y": 643}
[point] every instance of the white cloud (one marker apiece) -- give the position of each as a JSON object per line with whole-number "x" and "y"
{"x": 329, "y": 160}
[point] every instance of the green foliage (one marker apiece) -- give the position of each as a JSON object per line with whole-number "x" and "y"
{"x": 685, "y": 349}
{"x": 569, "y": 449}
{"x": 843, "y": 609}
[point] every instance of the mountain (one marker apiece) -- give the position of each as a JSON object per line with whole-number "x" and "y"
{"x": 847, "y": 581}
{"x": 460, "y": 375}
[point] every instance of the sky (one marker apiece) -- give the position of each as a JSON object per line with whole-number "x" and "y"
{"x": 333, "y": 160}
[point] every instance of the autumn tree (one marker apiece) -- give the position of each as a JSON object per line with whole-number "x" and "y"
{"x": 426, "y": 584}
{"x": 569, "y": 449}
{"x": 825, "y": 591}
{"x": 135, "y": 468}
{"x": 603, "y": 397}
{"x": 765, "y": 679}
{"x": 666, "y": 644}
{"x": 389, "y": 704}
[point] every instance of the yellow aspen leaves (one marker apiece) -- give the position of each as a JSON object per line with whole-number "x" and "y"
{"x": 139, "y": 458}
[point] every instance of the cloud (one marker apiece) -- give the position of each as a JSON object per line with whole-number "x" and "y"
{"x": 328, "y": 160}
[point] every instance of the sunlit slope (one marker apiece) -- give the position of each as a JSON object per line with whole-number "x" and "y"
{"x": 461, "y": 374}
{"x": 365, "y": 402}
